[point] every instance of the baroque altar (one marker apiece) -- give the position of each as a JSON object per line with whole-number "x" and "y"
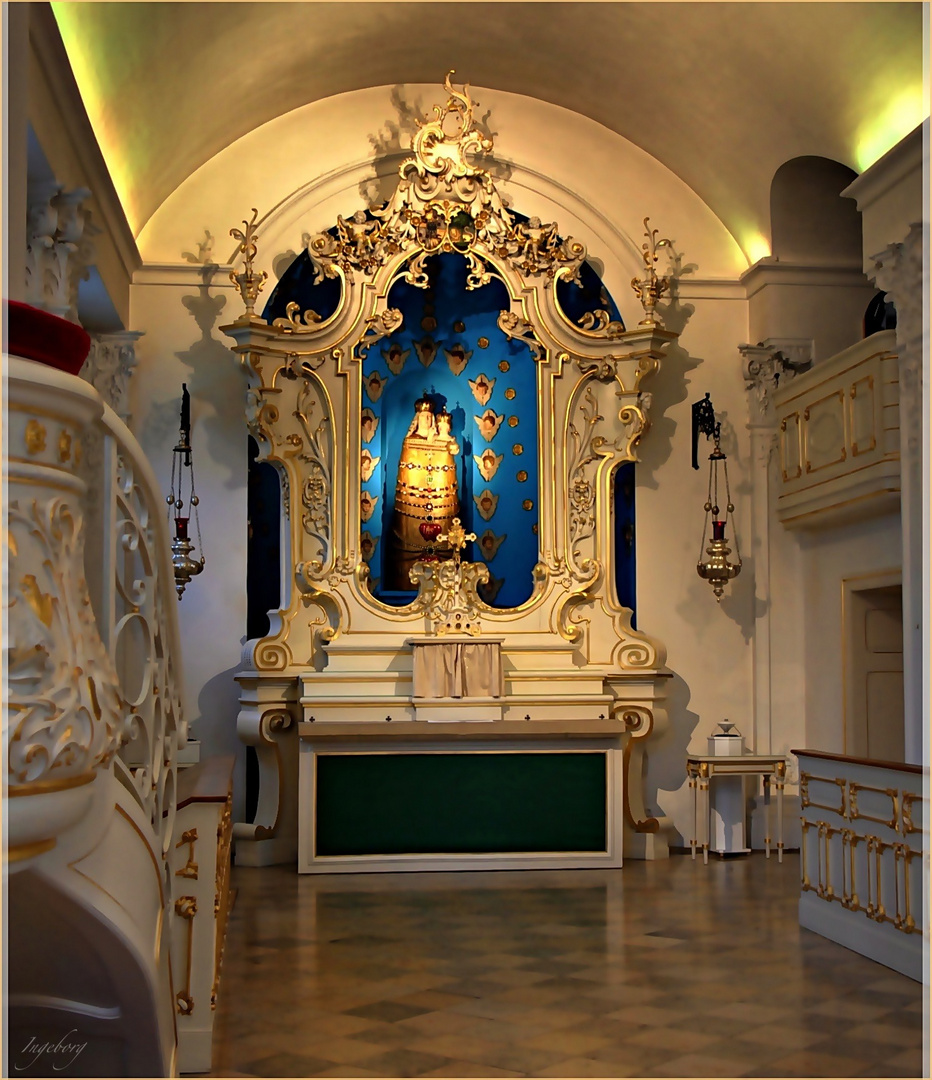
{"x": 418, "y": 512}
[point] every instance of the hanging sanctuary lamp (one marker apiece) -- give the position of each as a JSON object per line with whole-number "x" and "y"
{"x": 715, "y": 567}
{"x": 183, "y": 465}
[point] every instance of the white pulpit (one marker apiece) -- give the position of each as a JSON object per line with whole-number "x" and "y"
{"x": 457, "y": 677}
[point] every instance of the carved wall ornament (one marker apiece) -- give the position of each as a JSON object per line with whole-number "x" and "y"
{"x": 368, "y": 424}
{"x": 294, "y": 319}
{"x": 378, "y": 327}
{"x": 59, "y": 249}
{"x": 35, "y": 437}
{"x": 66, "y": 715}
{"x": 650, "y": 288}
{"x": 317, "y": 457}
{"x": 368, "y": 465}
{"x": 446, "y": 201}
{"x": 488, "y": 463}
{"x": 249, "y": 283}
{"x": 457, "y": 358}
{"x": 488, "y": 591}
{"x": 367, "y": 503}
{"x": 395, "y": 358}
{"x": 766, "y": 363}
{"x": 426, "y": 350}
{"x": 486, "y": 504}
{"x": 109, "y": 367}
{"x": 367, "y": 545}
{"x": 489, "y": 544}
{"x": 482, "y": 388}
{"x": 374, "y": 385}
{"x": 514, "y": 327}
{"x": 587, "y": 447}
{"x": 489, "y": 423}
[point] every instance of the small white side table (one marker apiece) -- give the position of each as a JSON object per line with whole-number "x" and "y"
{"x": 700, "y": 768}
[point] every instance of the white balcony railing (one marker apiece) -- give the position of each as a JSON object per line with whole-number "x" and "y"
{"x": 864, "y": 856}
{"x": 839, "y": 439}
{"x": 92, "y": 728}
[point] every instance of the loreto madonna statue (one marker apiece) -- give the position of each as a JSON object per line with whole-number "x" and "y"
{"x": 426, "y": 494}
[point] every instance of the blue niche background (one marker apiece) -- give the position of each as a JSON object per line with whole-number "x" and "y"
{"x": 430, "y": 331}
{"x": 450, "y": 348}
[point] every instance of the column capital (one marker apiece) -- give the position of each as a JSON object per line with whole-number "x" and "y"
{"x": 769, "y": 361}
{"x": 109, "y": 365}
{"x": 59, "y": 248}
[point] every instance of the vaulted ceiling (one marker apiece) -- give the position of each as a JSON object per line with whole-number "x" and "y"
{"x": 722, "y": 94}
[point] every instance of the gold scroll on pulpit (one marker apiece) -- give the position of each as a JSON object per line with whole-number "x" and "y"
{"x": 426, "y": 494}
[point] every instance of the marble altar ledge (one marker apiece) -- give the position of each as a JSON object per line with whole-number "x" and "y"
{"x": 504, "y": 729}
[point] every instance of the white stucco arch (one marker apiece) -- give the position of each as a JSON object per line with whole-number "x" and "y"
{"x": 302, "y": 168}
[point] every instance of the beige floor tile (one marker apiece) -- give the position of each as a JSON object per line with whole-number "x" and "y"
{"x": 501, "y": 1030}
{"x": 533, "y": 995}
{"x": 482, "y": 974}
{"x": 779, "y": 1039}
{"x": 696, "y": 1065}
{"x": 889, "y": 1036}
{"x": 853, "y": 1010}
{"x": 570, "y": 1042}
{"x": 671, "y": 1040}
{"x": 347, "y": 1070}
{"x": 584, "y": 1067}
{"x": 811, "y": 1063}
{"x": 470, "y": 1069}
{"x": 341, "y": 1051}
{"x": 651, "y": 1015}
{"x": 551, "y": 1019}
{"x": 907, "y": 1059}
{"x": 437, "y": 1023}
{"x": 335, "y": 1024}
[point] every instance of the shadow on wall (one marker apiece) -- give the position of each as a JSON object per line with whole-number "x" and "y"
{"x": 666, "y": 768}
{"x": 218, "y": 707}
{"x": 670, "y": 386}
{"x": 217, "y": 380}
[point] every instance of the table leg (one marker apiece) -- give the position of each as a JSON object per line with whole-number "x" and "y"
{"x": 692, "y": 842}
{"x": 767, "y": 814}
{"x": 781, "y": 779}
{"x": 706, "y": 828}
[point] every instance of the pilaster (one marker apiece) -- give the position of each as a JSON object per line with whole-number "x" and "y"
{"x": 764, "y": 366}
{"x": 899, "y": 271}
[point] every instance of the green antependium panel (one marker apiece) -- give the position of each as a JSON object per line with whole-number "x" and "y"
{"x": 462, "y": 803}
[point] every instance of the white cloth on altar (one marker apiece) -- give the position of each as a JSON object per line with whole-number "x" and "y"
{"x": 445, "y": 668}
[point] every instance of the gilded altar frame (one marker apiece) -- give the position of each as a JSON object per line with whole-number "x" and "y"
{"x": 335, "y": 654}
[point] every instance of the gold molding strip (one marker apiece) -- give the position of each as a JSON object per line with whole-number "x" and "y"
{"x": 810, "y": 468}
{"x": 853, "y": 812}
{"x": 805, "y": 801}
{"x": 853, "y": 395}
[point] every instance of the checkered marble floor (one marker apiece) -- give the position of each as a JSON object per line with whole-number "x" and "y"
{"x": 660, "y": 969}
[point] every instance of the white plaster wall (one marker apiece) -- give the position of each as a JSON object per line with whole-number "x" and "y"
{"x": 212, "y": 611}
{"x": 312, "y": 164}
{"x": 708, "y": 644}
{"x": 828, "y": 558}
{"x": 272, "y": 166}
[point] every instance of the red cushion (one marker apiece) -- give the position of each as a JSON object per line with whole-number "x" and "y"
{"x": 37, "y": 335}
